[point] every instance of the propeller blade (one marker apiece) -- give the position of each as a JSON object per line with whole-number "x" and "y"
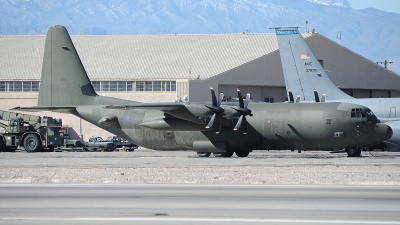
{"x": 213, "y": 97}
{"x": 246, "y": 103}
{"x": 211, "y": 121}
{"x": 239, "y": 123}
{"x": 245, "y": 125}
{"x": 291, "y": 99}
{"x": 323, "y": 97}
{"x": 221, "y": 96}
{"x": 316, "y": 96}
{"x": 241, "y": 104}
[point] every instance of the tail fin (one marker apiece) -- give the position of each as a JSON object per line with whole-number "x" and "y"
{"x": 64, "y": 81}
{"x": 302, "y": 70}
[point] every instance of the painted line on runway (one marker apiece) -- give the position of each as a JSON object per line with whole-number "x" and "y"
{"x": 187, "y": 219}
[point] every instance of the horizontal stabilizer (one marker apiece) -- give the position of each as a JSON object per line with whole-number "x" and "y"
{"x": 59, "y": 109}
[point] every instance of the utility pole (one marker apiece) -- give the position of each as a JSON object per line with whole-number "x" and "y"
{"x": 385, "y": 63}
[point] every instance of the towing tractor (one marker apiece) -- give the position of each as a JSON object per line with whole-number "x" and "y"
{"x": 33, "y": 133}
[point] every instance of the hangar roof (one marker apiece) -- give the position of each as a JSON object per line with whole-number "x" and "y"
{"x": 140, "y": 57}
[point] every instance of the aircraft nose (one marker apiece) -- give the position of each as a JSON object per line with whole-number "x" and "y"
{"x": 383, "y": 132}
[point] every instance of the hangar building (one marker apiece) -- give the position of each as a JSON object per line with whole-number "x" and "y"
{"x": 164, "y": 68}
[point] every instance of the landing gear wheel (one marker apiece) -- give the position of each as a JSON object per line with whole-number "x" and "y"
{"x": 223, "y": 154}
{"x": 242, "y": 153}
{"x": 203, "y": 154}
{"x": 353, "y": 152}
{"x": 384, "y": 148}
{"x": 32, "y": 143}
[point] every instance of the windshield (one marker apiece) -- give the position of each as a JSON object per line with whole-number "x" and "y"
{"x": 357, "y": 113}
{"x": 360, "y": 113}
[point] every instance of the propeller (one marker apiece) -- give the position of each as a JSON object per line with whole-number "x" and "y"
{"x": 216, "y": 109}
{"x": 291, "y": 99}
{"x": 243, "y": 111}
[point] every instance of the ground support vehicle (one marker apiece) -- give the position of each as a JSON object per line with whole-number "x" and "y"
{"x": 71, "y": 143}
{"x": 122, "y": 144}
{"x": 98, "y": 144}
{"x": 33, "y": 133}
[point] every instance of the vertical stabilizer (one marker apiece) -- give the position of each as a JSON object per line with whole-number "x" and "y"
{"x": 64, "y": 81}
{"x": 302, "y": 70}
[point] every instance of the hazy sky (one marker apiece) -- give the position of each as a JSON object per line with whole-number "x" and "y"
{"x": 384, "y": 5}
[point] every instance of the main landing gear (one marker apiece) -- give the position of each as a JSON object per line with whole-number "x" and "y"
{"x": 353, "y": 152}
{"x": 228, "y": 154}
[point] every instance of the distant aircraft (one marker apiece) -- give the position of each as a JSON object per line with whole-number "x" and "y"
{"x": 221, "y": 128}
{"x": 303, "y": 73}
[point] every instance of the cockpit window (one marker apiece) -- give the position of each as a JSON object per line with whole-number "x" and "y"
{"x": 369, "y": 113}
{"x": 359, "y": 113}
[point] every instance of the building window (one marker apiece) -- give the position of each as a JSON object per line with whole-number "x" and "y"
{"x": 165, "y": 86}
{"x": 149, "y": 85}
{"x": 105, "y": 86}
{"x": 156, "y": 85}
{"x": 99, "y": 86}
{"x": 18, "y": 86}
{"x": 173, "y": 86}
{"x": 10, "y": 86}
{"x": 2, "y": 86}
{"x": 113, "y": 85}
{"x": 140, "y": 86}
{"x": 26, "y": 86}
{"x": 122, "y": 86}
{"x": 35, "y": 86}
{"x": 130, "y": 86}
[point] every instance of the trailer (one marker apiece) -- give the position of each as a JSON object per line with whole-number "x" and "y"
{"x": 33, "y": 133}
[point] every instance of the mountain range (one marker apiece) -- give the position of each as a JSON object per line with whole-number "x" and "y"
{"x": 371, "y": 33}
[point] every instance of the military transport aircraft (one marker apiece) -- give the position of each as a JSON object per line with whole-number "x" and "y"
{"x": 303, "y": 73}
{"x": 221, "y": 128}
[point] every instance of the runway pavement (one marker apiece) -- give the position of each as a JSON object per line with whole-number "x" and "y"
{"x": 198, "y": 204}
{"x": 150, "y": 158}
{"x": 148, "y": 187}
